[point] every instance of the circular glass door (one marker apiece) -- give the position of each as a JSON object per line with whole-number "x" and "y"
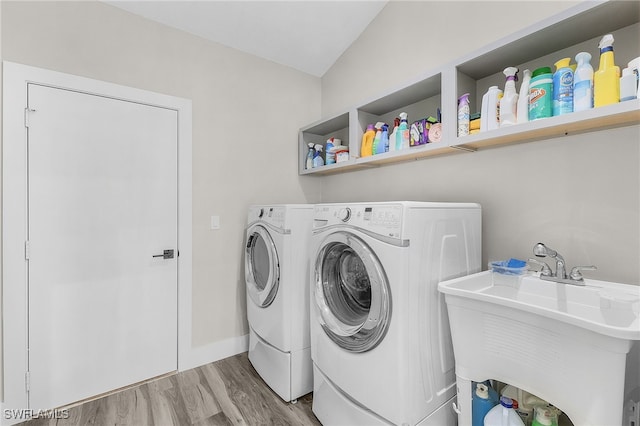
{"x": 262, "y": 268}
{"x": 352, "y": 293}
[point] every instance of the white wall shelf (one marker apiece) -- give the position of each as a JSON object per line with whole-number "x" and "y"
{"x": 563, "y": 35}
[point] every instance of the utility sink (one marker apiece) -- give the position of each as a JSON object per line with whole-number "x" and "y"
{"x": 567, "y": 344}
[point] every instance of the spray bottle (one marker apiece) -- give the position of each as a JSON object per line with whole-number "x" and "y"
{"x": 394, "y": 135}
{"x": 403, "y": 137}
{"x": 310, "y": 154}
{"x": 606, "y": 86}
{"x": 509, "y": 101}
{"x": 463, "y": 115}
{"x": 522, "y": 110}
{"x": 366, "y": 149}
{"x": 317, "y": 158}
{"x": 330, "y": 154}
{"x": 634, "y": 65}
{"x": 383, "y": 146}
{"x": 377, "y": 138}
{"x": 563, "y": 88}
{"x": 583, "y": 83}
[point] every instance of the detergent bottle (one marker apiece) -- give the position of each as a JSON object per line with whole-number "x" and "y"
{"x": 522, "y": 109}
{"x": 330, "y": 154}
{"x": 490, "y": 109}
{"x": 509, "y": 101}
{"x": 503, "y": 414}
{"x": 317, "y": 158}
{"x": 463, "y": 115}
{"x": 394, "y": 135}
{"x": 366, "y": 149}
{"x": 627, "y": 85}
{"x": 583, "y": 83}
{"x": 310, "y": 154}
{"x": 563, "y": 88}
{"x": 403, "y": 138}
{"x": 377, "y": 138}
{"x": 481, "y": 404}
{"x": 606, "y": 81}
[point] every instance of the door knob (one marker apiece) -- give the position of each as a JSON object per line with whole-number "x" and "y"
{"x": 167, "y": 254}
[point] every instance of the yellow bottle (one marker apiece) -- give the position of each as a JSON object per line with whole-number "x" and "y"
{"x": 366, "y": 149}
{"x": 606, "y": 81}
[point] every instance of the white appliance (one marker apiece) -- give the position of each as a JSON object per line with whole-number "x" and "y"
{"x": 277, "y": 278}
{"x": 380, "y": 339}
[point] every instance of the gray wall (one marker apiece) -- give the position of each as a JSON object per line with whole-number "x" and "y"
{"x": 578, "y": 194}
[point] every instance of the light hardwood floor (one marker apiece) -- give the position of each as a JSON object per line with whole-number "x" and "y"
{"x": 226, "y": 392}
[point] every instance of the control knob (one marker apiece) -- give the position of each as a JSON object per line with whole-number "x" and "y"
{"x": 344, "y": 214}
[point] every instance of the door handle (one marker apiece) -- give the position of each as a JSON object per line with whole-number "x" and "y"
{"x": 167, "y": 254}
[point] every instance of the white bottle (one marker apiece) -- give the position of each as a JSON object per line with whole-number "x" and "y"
{"x": 522, "y": 111}
{"x": 490, "y": 109}
{"x": 583, "y": 83}
{"x": 634, "y": 65}
{"x": 509, "y": 101}
{"x": 628, "y": 88}
{"x": 503, "y": 414}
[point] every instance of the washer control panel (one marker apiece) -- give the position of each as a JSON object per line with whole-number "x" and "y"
{"x": 383, "y": 218}
{"x": 274, "y": 215}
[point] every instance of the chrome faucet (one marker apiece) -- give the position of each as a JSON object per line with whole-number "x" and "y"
{"x": 560, "y": 276}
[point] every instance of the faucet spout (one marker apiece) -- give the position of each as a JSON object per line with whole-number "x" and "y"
{"x": 541, "y": 250}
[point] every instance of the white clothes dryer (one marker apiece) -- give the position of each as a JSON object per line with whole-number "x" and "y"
{"x": 277, "y": 280}
{"x": 380, "y": 338}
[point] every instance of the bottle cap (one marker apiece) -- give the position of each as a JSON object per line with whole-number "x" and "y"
{"x": 482, "y": 391}
{"x": 541, "y": 71}
{"x": 506, "y": 402}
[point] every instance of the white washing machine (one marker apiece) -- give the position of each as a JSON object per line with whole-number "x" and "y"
{"x": 277, "y": 277}
{"x": 380, "y": 338}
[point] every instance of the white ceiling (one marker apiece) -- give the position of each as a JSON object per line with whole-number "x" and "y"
{"x": 308, "y": 35}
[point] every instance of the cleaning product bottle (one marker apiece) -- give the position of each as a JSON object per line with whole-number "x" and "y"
{"x": 563, "y": 87}
{"x": 403, "y": 138}
{"x": 541, "y": 94}
{"x": 606, "y": 87}
{"x": 377, "y": 137}
{"x": 366, "y": 149}
{"x": 317, "y": 157}
{"x": 583, "y": 83}
{"x": 394, "y": 135}
{"x": 383, "y": 145}
{"x": 503, "y": 414}
{"x": 628, "y": 88}
{"x": 309, "y": 163}
{"x": 509, "y": 101}
{"x": 522, "y": 109}
{"x": 329, "y": 152}
{"x": 490, "y": 109}
{"x": 480, "y": 404}
{"x": 545, "y": 416}
{"x": 463, "y": 115}
{"x": 634, "y": 65}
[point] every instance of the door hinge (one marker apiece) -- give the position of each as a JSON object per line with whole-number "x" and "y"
{"x": 26, "y": 116}
{"x": 27, "y": 250}
{"x": 27, "y": 381}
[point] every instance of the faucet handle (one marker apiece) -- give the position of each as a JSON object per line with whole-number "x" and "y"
{"x": 545, "y": 271}
{"x": 575, "y": 272}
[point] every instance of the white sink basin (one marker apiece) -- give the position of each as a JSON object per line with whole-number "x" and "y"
{"x": 564, "y": 343}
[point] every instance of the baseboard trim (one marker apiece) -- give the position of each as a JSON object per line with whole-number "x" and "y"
{"x": 212, "y": 352}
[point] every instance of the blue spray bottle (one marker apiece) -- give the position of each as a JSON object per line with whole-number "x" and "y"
{"x": 383, "y": 146}
{"x": 317, "y": 158}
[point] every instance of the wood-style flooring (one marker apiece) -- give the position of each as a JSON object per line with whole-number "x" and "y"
{"x": 226, "y": 392}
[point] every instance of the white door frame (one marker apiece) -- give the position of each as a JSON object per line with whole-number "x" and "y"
{"x": 14, "y": 213}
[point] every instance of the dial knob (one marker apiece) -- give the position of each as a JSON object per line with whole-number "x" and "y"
{"x": 344, "y": 214}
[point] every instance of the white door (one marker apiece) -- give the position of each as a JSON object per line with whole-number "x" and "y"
{"x": 102, "y": 201}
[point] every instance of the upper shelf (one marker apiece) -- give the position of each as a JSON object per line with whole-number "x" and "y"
{"x": 565, "y": 34}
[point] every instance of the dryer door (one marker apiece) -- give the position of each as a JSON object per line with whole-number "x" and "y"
{"x": 262, "y": 268}
{"x": 352, "y": 293}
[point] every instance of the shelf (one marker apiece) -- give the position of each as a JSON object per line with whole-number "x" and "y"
{"x": 542, "y": 44}
{"x": 607, "y": 117}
